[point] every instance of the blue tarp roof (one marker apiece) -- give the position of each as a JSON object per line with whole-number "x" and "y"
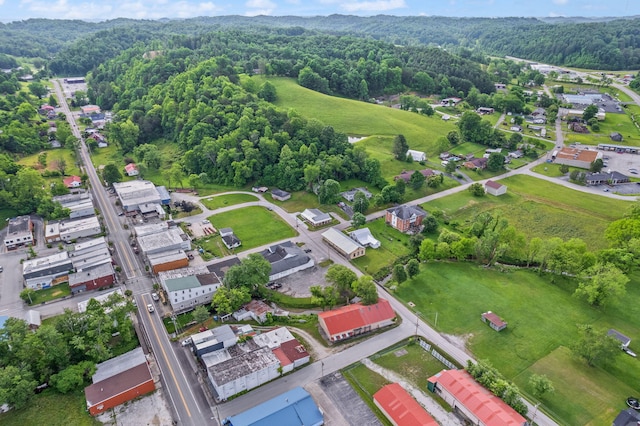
{"x": 3, "y": 319}
{"x": 293, "y": 408}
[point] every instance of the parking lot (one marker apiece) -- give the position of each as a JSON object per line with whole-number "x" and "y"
{"x": 298, "y": 284}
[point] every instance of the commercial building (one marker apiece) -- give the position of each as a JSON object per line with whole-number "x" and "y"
{"x": 101, "y": 276}
{"x": 71, "y": 229}
{"x": 576, "y": 157}
{"x": 355, "y": 319}
{"x": 79, "y": 205}
{"x": 471, "y": 401}
{"x": 343, "y": 244}
{"x": 136, "y": 192}
{"x": 213, "y": 340}
{"x": 19, "y": 232}
{"x": 187, "y": 288}
{"x": 316, "y": 217}
{"x": 119, "y": 380}
{"x": 171, "y": 239}
{"x": 400, "y": 407}
{"x": 167, "y": 260}
{"x": 286, "y": 259}
{"x": 89, "y": 254}
{"x": 292, "y": 408}
{"x": 44, "y": 272}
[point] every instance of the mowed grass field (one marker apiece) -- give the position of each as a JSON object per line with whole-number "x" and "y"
{"x": 360, "y": 118}
{"x": 543, "y": 316}
{"x": 53, "y": 156}
{"x": 52, "y": 409}
{"x": 227, "y": 200}
{"x": 540, "y": 209}
{"x": 393, "y": 244}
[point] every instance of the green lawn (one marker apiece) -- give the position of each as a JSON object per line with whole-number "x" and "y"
{"x": 52, "y": 409}
{"x": 254, "y": 226}
{"x": 620, "y": 123}
{"x": 53, "y": 156}
{"x": 6, "y": 213}
{"x": 393, "y": 244}
{"x": 52, "y": 293}
{"x": 366, "y": 382}
{"x": 542, "y": 315}
{"x": 360, "y": 118}
{"x": 539, "y": 209}
{"x": 227, "y": 200}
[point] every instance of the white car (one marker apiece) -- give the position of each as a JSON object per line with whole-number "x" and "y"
{"x": 150, "y": 308}
{"x": 155, "y": 297}
{"x": 186, "y": 342}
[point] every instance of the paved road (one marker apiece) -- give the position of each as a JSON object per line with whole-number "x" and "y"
{"x": 188, "y": 401}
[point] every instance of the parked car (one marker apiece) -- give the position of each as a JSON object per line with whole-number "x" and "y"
{"x": 150, "y": 308}
{"x": 155, "y": 297}
{"x": 186, "y": 342}
{"x": 307, "y": 250}
{"x": 633, "y": 403}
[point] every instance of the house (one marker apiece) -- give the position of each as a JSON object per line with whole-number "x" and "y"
{"x": 616, "y": 137}
{"x": 229, "y": 238}
{"x": 500, "y": 86}
{"x": 119, "y": 380}
{"x": 493, "y": 320}
{"x": 417, "y": 155}
{"x": 450, "y": 101}
{"x": 406, "y": 175}
{"x": 628, "y": 417}
{"x": 365, "y": 238}
{"x": 400, "y": 407}
{"x": 516, "y": 154}
{"x": 577, "y": 127}
{"x": 471, "y": 401}
{"x": 131, "y": 169}
{"x": 352, "y": 320}
{"x": 72, "y": 182}
{"x": 576, "y": 157}
{"x": 495, "y": 188}
{"x": 258, "y": 310}
{"x": 343, "y": 244}
{"x": 608, "y": 178}
{"x": 476, "y": 163}
{"x": 624, "y": 340}
{"x": 515, "y": 128}
{"x": 350, "y": 194}
{"x": 90, "y": 109}
{"x": 485, "y": 110}
{"x": 286, "y": 258}
{"x": 444, "y": 155}
{"x": 292, "y": 408}
{"x": 405, "y": 218}
{"x": 189, "y": 287}
{"x": 280, "y": 195}
{"x": 19, "y": 232}
{"x": 259, "y": 189}
{"x": 316, "y": 217}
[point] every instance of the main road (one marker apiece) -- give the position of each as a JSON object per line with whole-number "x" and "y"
{"x": 189, "y": 404}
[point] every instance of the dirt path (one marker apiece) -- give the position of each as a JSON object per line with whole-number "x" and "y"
{"x": 317, "y": 349}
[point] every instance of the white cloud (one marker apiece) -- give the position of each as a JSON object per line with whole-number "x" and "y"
{"x": 260, "y": 7}
{"x": 373, "y": 6}
{"x": 561, "y": 2}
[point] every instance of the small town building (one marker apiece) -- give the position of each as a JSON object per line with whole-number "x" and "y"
{"x": 293, "y": 408}
{"x": 471, "y": 401}
{"x": 352, "y": 320}
{"x": 213, "y": 340}
{"x": 101, "y": 276}
{"x": 615, "y": 136}
{"x": 400, "y": 407}
{"x": 171, "y": 239}
{"x": 89, "y": 254}
{"x": 33, "y": 319}
{"x": 628, "y": 417}
{"x": 131, "y": 169}
{"x": 619, "y": 148}
{"x": 280, "y": 195}
{"x": 606, "y": 178}
{"x": 82, "y": 227}
{"x": 136, "y": 192}
{"x": 417, "y": 155}
{"x": 255, "y": 309}
{"x": 485, "y": 110}
{"x": 624, "y": 340}
{"x": 315, "y": 217}
{"x": 406, "y": 175}
{"x": 90, "y": 109}
{"x": 343, "y": 244}
{"x": 101, "y": 298}
{"x": 365, "y": 238}
{"x": 576, "y": 157}
{"x": 19, "y": 232}
{"x": 44, "y": 272}
{"x": 72, "y": 182}
{"x": 187, "y": 288}
{"x": 450, "y": 101}
{"x": 229, "y": 239}
{"x": 350, "y": 194}
{"x": 493, "y": 320}
{"x": 79, "y": 204}
{"x": 495, "y": 188}
{"x": 405, "y": 218}
{"x": 500, "y": 86}
{"x": 286, "y": 258}
{"x": 167, "y": 260}
{"x": 476, "y": 163}
{"x": 119, "y": 380}
{"x": 567, "y": 113}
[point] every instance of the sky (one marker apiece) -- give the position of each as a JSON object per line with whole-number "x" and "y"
{"x": 16, "y": 10}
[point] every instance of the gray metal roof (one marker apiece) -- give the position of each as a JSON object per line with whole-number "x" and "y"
{"x": 340, "y": 240}
{"x": 405, "y": 212}
{"x": 242, "y": 365}
{"x": 119, "y": 364}
{"x": 284, "y": 256}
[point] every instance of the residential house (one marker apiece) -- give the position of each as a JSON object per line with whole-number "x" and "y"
{"x": 293, "y": 408}
{"x": 286, "y": 258}
{"x": 72, "y": 182}
{"x": 471, "y": 401}
{"x": 316, "y": 217}
{"x": 118, "y": 380}
{"x": 606, "y": 178}
{"x": 615, "y": 136}
{"x": 515, "y": 128}
{"x": 485, "y": 110}
{"x": 255, "y": 309}
{"x": 280, "y": 195}
{"x": 417, "y": 155}
{"x": 450, "y": 101}
{"x": 406, "y": 175}
{"x": 89, "y": 109}
{"x": 624, "y": 340}
{"x": 444, "y": 155}
{"x": 19, "y": 232}
{"x": 365, "y": 238}
{"x": 476, "y": 163}
{"x": 350, "y": 194}
{"x": 628, "y": 417}
{"x": 229, "y": 238}
{"x": 493, "y": 320}
{"x": 400, "y": 407}
{"x": 495, "y": 188}
{"x": 576, "y": 157}
{"x": 131, "y": 169}
{"x": 405, "y": 218}
{"x": 500, "y": 86}
{"x": 352, "y": 320}
{"x": 343, "y": 244}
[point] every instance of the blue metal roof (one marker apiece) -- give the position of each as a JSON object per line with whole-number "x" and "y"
{"x": 293, "y": 408}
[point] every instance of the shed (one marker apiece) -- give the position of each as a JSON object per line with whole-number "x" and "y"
{"x": 624, "y": 340}
{"x": 400, "y": 407}
{"x": 280, "y": 195}
{"x": 616, "y": 137}
{"x": 494, "y": 321}
{"x": 417, "y": 155}
{"x": 495, "y": 188}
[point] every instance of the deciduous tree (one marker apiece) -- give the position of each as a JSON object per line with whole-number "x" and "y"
{"x": 601, "y": 284}
{"x": 341, "y": 278}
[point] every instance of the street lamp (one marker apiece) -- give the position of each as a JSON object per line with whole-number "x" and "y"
{"x": 418, "y": 315}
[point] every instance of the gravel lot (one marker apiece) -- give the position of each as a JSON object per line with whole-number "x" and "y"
{"x": 147, "y": 410}
{"x": 298, "y": 284}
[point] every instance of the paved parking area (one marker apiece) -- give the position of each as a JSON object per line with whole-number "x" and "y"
{"x": 621, "y": 162}
{"x": 632, "y": 188}
{"x": 351, "y": 409}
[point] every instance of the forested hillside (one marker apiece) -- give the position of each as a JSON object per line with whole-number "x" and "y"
{"x": 608, "y": 44}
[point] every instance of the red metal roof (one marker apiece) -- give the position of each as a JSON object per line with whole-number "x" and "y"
{"x": 494, "y": 319}
{"x": 70, "y": 180}
{"x": 114, "y": 385}
{"x": 400, "y": 406}
{"x": 354, "y": 316}
{"x": 487, "y": 407}
{"x": 130, "y": 167}
{"x": 294, "y": 350}
{"x": 494, "y": 185}
{"x": 284, "y": 360}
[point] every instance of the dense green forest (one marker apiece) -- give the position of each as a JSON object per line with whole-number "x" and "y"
{"x": 597, "y": 44}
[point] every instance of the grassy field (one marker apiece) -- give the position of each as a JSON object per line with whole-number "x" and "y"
{"x": 360, "y": 118}
{"x": 52, "y": 409}
{"x": 52, "y": 293}
{"x": 366, "y": 382}
{"x": 6, "y": 213}
{"x": 542, "y": 315}
{"x": 53, "y": 156}
{"x": 620, "y": 123}
{"x": 227, "y": 200}
{"x": 254, "y": 226}
{"x": 393, "y": 244}
{"x": 540, "y": 209}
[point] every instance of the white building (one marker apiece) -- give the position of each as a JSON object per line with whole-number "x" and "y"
{"x": 170, "y": 239}
{"x": 44, "y": 272}
{"x": 365, "y": 238}
{"x": 19, "y": 232}
{"x": 187, "y": 288}
{"x": 343, "y": 244}
{"x": 82, "y": 306}
{"x": 136, "y": 192}
{"x": 79, "y": 228}
{"x": 89, "y": 254}
{"x": 417, "y": 155}
{"x": 79, "y": 205}
{"x": 316, "y": 217}
{"x": 286, "y": 258}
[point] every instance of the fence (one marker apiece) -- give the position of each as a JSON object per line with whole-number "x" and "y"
{"x": 427, "y": 347}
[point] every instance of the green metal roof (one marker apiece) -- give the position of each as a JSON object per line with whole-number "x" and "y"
{"x": 183, "y": 283}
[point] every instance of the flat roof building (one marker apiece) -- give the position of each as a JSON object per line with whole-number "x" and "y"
{"x": 79, "y": 228}
{"x": 100, "y": 276}
{"x": 19, "y": 232}
{"x": 170, "y": 239}
{"x": 44, "y": 272}
{"x": 576, "y": 157}
{"x": 136, "y": 192}
{"x": 79, "y": 205}
{"x": 189, "y": 287}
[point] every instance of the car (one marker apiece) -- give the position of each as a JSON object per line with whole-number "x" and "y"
{"x": 1, "y": 269}
{"x": 121, "y": 214}
{"x": 186, "y": 342}
{"x": 150, "y": 308}
{"x": 190, "y": 256}
{"x": 606, "y": 189}
{"x": 307, "y": 250}
{"x": 633, "y": 403}
{"x": 206, "y": 222}
{"x": 155, "y": 297}
{"x": 203, "y": 328}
